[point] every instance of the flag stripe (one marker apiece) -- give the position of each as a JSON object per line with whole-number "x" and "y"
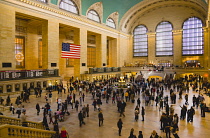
{"x": 73, "y": 53}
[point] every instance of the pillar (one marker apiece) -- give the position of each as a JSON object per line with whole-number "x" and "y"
{"x": 50, "y": 44}
{"x": 4, "y": 88}
{"x": 7, "y": 36}
{"x": 177, "y": 34}
{"x": 13, "y": 87}
{"x": 151, "y": 48}
{"x": 80, "y": 38}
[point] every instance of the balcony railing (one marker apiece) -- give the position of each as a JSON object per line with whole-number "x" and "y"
{"x": 26, "y": 74}
{"x": 104, "y": 70}
{"x": 12, "y": 131}
{"x": 17, "y": 122}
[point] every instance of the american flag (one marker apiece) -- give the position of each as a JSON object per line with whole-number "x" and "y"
{"x": 70, "y": 51}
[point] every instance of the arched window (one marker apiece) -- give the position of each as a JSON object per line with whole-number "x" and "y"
{"x": 140, "y": 41}
{"x": 69, "y": 6}
{"x": 44, "y": 1}
{"x": 192, "y": 37}
{"x": 164, "y": 39}
{"x": 93, "y": 15}
{"x": 110, "y": 22}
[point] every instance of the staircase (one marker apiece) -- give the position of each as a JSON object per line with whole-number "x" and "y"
{"x": 12, "y": 128}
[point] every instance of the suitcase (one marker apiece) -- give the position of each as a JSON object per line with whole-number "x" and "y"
{"x": 133, "y": 101}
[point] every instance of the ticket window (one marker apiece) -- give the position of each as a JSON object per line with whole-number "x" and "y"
{"x": 45, "y": 84}
{"x": 1, "y": 89}
{"x": 24, "y": 86}
{"x": 9, "y": 88}
{"x": 38, "y": 84}
{"x": 32, "y": 85}
{"x": 17, "y": 87}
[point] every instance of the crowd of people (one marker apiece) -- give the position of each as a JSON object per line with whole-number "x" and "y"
{"x": 152, "y": 92}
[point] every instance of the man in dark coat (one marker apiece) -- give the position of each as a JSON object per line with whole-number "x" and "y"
{"x": 119, "y": 125}
{"x": 100, "y": 118}
{"x": 81, "y": 119}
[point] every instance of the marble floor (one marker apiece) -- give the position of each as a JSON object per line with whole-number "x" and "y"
{"x": 198, "y": 129}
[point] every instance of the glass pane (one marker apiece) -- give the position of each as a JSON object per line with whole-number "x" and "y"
{"x": 140, "y": 45}
{"x": 192, "y": 37}
{"x": 164, "y": 39}
{"x": 69, "y": 6}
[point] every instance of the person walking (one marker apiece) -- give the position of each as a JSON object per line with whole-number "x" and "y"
{"x": 37, "y": 108}
{"x": 138, "y": 102}
{"x": 142, "y": 113}
{"x": 23, "y": 119}
{"x": 136, "y": 115}
{"x": 100, "y": 118}
{"x": 186, "y": 99}
{"x": 87, "y": 110}
{"x": 119, "y": 125}
{"x": 18, "y": 111}
{"x": 140, "y": 135}
{"x": 81, "y": 118}
{"x": 64, "y": 133}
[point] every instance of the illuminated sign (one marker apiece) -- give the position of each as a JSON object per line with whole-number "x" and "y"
{"x": 19, "y": 57}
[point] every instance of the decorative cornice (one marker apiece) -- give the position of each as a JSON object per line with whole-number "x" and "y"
{"x": 175, "y": 32}
{"x": 81, "y": 19}
{"x": 205, "y": 29}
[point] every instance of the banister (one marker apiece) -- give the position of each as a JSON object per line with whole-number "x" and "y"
{"x": 17, "y": 121}
{"x": 13, "y": 131}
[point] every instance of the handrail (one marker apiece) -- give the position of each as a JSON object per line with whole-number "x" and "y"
{"x": 16, "y": 121}
{"x": 13, "y": 131}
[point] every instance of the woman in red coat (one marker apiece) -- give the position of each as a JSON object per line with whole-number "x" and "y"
{"x": 63, "y": 133}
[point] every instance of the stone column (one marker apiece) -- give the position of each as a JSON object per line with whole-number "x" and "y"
{"x": 113, "y": 53}
{"x": 177, "y": 34}
{"x": 50, "y": 42}
{"x": 13, "y": 87}
{"x": 7, "y": 36}
{"x": 80, "y": 38}
{"x": 31, "y": 48}
{"x": 206, "y": 48}
{"x": 151, "y": 48}
{"x": 103, "y": 50}
{"x": 98, "y": 50}
{"x": 21, "y": 87}
{"x": 4, "y": 88}
{"x": 41, "y": 83}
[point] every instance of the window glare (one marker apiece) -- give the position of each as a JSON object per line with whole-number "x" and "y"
{"x": 164, "y": 39}
{"x": 140, "y": 42}
{"x": 69, "y": 6}
{"x": 110, "y": 22}
{"x": 192, "y": 40}
{"x": 93, "y": 16}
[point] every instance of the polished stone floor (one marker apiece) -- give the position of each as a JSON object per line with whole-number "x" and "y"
{"x": 197, "y": 129}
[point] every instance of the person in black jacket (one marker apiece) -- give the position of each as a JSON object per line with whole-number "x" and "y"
{"x": 81, "y": 119}
{"x": 140, "y": 134}
{"x": 119, "y": 125}
{"x": 37, "y": 108}
{"x": 142, "y": 113}
{"x": 100, "y": 118}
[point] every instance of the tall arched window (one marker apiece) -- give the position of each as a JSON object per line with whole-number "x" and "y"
{"x": 164, "y": 39}
{"x": 69, "y": 6}
{"x": 93, "y": 15}
{"x": 140, "y": 41}
{"x": 110, "y": 22}
{"x": 192, "y": 39}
